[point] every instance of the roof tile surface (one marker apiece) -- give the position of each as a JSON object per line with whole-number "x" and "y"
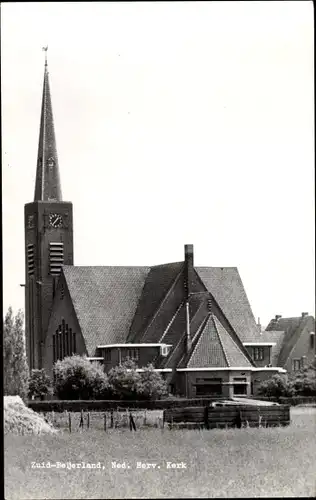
{"x": 105, "y": 300}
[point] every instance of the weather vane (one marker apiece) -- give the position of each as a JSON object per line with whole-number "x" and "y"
{"x": 45, "y": 50}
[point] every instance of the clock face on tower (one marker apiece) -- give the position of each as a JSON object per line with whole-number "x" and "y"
{"x": 55, "y": 220}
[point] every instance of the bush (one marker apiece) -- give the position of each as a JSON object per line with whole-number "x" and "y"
{"x": 276, "y": 387}
{"x": 39, "y": 384}
{"x": 304, "y": 381}
{"x": 76, "y": 377}
{"x": 152, "y": 386}
{"x": 125, "y": 381}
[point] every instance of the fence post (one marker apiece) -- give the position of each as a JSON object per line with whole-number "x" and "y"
{"x": 104, "y": 421}
{"x": 88, "y": 421}
{"x": 132, "y": 425}
{"x": 206, "y": 417}
{"x": 238, "y": 420}
{"x": 69, "y": 420}
{"x": 81, "y": 419}
{"x": 112, "y": 419}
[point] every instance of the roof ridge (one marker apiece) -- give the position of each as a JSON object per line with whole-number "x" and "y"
{"x": 171, "y": 321}
{"x": 220, "y": 340}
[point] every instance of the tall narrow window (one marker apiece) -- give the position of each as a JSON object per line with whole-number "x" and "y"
{"x": 57, "y": 345}
{"x": 312, "y": 340}
{"x": 74, "y": 342}
{"x": 54, "y": 349}
{"x": 64, "y": 343}
{"x": 67, "y": 340}
{"x": 60, "y": 345}
{"x": 70, "y": 342}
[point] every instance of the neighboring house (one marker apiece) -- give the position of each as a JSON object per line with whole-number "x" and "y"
{"x": 195, "y": 324}
{"x": 294, "y": 338}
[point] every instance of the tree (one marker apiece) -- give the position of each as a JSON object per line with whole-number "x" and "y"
{"x": 276, "y": 387}
{"x": 124, "y": 380}
{"x": 75, "y": 377}
{"x": 152, "y": 385}
{"x": 39, "y": 384}
{"x": 16, "y": 373}
{"x": 8, "y": 353}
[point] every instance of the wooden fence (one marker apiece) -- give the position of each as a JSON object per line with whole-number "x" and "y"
{"x": 228, "y": 416}
{"x": 114, "y": 419}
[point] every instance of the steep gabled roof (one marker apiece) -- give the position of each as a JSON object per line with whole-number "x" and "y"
{"x": 293, "y": 328}
{"x": 157, "y": 285}
{"x": 105, "y": 300}
{"x": 214, "y": 348}
{"x": 225, "y": 284}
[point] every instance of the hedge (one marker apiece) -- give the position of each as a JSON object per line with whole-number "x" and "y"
{"x": 163, "y": 404}
{"x": 102, "y": 405}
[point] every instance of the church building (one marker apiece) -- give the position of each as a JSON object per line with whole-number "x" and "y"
{"x": 195, "y": 324}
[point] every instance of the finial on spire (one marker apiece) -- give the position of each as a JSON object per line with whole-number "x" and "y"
{"x": 45, "y": 50}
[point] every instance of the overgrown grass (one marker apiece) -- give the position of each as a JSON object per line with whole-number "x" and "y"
{"x": 219, "y": 463}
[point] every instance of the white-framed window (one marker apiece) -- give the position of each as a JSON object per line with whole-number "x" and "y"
{"x": 240, "y": 386}
{"x": 296, "y": 365}
{"x": 164, "y": 350}
{"x": 258, "y": 353}
{"x": 133, "y": 354}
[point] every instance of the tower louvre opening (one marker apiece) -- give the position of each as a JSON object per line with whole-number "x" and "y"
{"x": 56, "y": 258}
{"x": 30, "y": 258}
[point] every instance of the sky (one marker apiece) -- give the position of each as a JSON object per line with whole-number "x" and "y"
{"x": 176, "y": 123}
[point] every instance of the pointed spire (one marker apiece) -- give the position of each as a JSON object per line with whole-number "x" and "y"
{"x": 47, "y": 186}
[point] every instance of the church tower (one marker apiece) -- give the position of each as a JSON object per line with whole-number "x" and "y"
{"x": 48, "y": 228}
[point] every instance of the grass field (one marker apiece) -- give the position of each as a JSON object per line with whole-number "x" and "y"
{"x": 219, "y": 463}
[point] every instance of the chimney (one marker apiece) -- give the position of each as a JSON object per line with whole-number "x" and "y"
{"x": 259, "y": 325}
{"x": 188, "y": 254}
{"x": 277, "y": 317}
{"x": 189, "y": 262}
{"x": 304, "y": 315}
